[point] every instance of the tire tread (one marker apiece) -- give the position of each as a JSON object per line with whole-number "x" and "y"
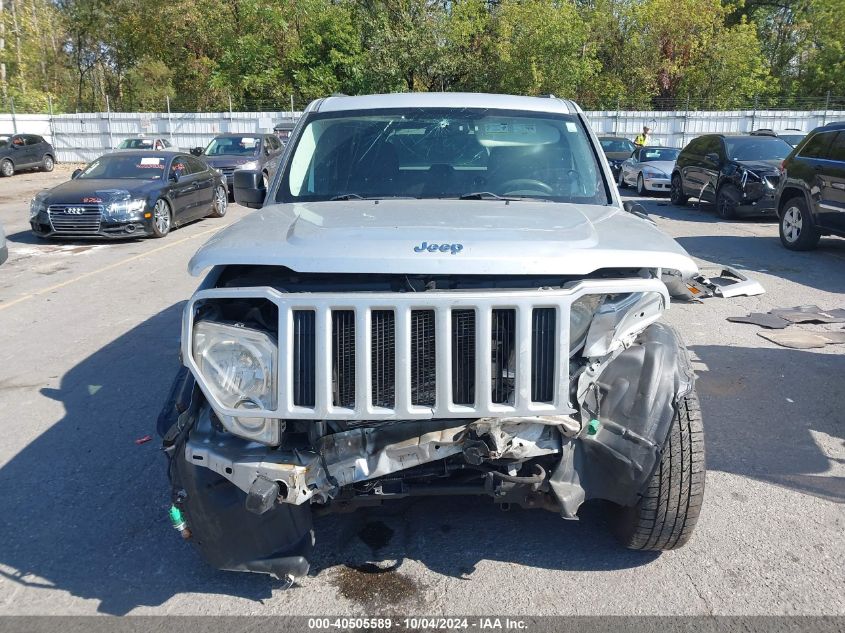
{"x": 666, "y": 514}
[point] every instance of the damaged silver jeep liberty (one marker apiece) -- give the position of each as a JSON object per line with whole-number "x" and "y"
{"x": 439, "y": 294}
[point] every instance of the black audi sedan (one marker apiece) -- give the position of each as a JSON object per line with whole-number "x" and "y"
{"x": 738, "y": 173}
{"x": 130, "y": 194}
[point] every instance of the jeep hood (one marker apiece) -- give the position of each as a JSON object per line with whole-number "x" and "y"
{"x": 495, "y": 237}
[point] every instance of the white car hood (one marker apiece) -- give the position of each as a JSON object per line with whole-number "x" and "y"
{"x": 666, "y": 166}
{"x": 480, "y": 237}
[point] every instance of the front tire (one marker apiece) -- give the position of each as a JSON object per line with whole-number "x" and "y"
{"x": 797, "y": 231}
{"x": 162, "y": 218}
{"x": 220, "y": 202}
{"x": 622, "y": 183}
{"x": 725, "y": 203}
{"x": 641, "y": 190}
{"x": 7, "y": 168}
{"x": 47, "y": 163}
{"x": 676, "y": 193}
{"x": 666, "y": 514}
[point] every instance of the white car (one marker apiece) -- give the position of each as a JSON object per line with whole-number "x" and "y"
{"x": 649, "y": 169}
{"x": 146, "y": 143}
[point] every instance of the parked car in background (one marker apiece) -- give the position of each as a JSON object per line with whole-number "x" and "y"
{"x": 737, "y": 173}
{"x": 811, "y": 191}
{"x": 130, "y": 194}
{"x": 793, "y": 136}
{"x": 649, "y": 169}
{"x": 25, "y": 151}
{"x": 4, "y": 248}
{"x": 146, "y": 143}
{"x": 283, "y": 129}
{"x": 229, "y": 152}
{"x": 617, "y": 149}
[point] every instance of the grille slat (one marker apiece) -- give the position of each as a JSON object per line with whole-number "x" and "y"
{"x": 423, "y": 358}
{"x": 383, "y": 358}
{"x": 543, "y": 354}
{"x": 87, "y": 222}
{"x": 343, "y": 358}
{"x": 463, "y": 356}
{"x": 504, "y": 356}
{"x": 304, "y": 357}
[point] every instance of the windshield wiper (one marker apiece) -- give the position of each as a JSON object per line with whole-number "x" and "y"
{"x": 484, "y": 195}
{"x": 357, "y": 196}
{"x": 489, "y": 195}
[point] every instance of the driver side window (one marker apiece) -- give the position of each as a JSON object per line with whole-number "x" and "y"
{"x": 179, "y": 166}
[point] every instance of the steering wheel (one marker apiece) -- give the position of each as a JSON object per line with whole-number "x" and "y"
{"x": 530, "y": 184}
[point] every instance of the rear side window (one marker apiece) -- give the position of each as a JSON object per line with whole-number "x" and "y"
{"x": 837, "y": 149}
{"x": 195, "y": 165}
{"x": 33, "y": 140}
{"x": 817, "y": 146}
{"x": 695, "y": 145}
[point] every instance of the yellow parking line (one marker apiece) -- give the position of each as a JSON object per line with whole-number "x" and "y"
{"x": 122, "y": 262}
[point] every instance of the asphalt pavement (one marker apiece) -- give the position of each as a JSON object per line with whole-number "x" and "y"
{"x": 88, "y": 345}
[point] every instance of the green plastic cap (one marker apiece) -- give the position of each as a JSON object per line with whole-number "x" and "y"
{"x": 176, "y": 517}
{"x": 593, "y": 427}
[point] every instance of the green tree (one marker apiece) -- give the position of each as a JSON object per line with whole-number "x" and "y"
{"x": 541, "y": 47}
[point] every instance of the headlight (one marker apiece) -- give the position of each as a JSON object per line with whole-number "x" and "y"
{"x": 253, "y": 164}
{"x": 238, "y": 365}
{"x": 580, "y": 316}
{"x": 36, "y": 206}
{"x": 653, "y": 173}
{"x": 132, "y": 207}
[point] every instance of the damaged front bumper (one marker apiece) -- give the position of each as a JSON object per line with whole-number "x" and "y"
{"x": 607, "y": 450}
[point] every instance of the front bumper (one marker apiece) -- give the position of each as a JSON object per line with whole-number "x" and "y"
{"x": 661, "y": 185}
{"x": 109, "y": 228}
{"x": 757, "y": 200}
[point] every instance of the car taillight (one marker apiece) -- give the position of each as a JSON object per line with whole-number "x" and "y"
{"x": 782, "y": 168}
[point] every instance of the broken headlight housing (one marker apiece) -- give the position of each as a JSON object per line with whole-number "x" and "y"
{"x": 580, "y": 317}
{"x": 618, "y": 320}
{"x": 239, "y": 366}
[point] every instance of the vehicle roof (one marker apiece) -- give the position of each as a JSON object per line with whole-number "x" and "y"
{"x": 160, "y": 153}
{"x": 613, "y": 138}
{"x": 240, "y": 134}
{"x": 726, "y": 135}
{"x": 551, "y": 105}
{"x": 835, "y": 125}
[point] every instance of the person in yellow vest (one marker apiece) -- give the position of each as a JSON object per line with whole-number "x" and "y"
{"x": 643, "y": 139}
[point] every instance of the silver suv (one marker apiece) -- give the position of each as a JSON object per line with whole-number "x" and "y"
{"x": 440, "y": 294}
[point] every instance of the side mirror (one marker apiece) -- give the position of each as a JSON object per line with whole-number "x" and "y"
{"x": 76, "y": 173}
{"x": 635, "y": 208}
{"x": 713, "y": 157}
{"x": 197, "y": 151}
{"x": 249, "y": 188}
{"x": 175, "y": 176}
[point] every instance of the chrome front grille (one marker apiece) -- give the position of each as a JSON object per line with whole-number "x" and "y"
{"x": 436, "y": 354}
{"x": 75, "y": 219}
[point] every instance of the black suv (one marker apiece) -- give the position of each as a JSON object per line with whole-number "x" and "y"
{"x": 25, "y": 151}
{"x": 739, "y": 173}
{"x": 811, "y": 194}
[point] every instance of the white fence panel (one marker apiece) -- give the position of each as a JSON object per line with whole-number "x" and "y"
{"x": 80, "y": 138}
{"x": 26, "y": 124}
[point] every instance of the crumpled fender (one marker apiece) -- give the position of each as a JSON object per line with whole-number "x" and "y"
{"x": 634, "y": 398}
{"x": 279, "y": 541}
